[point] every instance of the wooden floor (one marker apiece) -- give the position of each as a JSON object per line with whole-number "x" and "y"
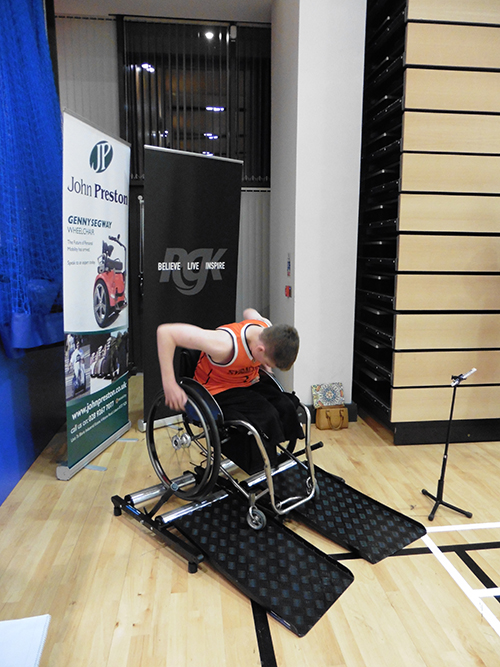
{"x": 118, "y": 597}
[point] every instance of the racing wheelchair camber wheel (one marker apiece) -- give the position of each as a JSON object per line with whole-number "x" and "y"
{"x": 174, "y": 448}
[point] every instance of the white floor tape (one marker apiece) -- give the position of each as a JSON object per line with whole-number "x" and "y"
{"x": 474, "y": 595}
{"x": 463, "y": 526}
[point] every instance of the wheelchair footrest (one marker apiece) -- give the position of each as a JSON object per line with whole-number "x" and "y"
{"x": 295, "y": 582}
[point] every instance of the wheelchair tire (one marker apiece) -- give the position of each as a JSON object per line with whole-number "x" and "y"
{"x": 102, "y": 307}
{"x": 174, "y": 446}
{"x": 256, "y": 518}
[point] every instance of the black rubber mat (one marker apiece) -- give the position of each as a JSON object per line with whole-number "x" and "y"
{"x": 276, "y": 568}
{"x": 349, "y": 518}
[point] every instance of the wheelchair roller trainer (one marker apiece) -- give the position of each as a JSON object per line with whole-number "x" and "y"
{"x": 214, "y": 515}
{"x": 187, "y": 457}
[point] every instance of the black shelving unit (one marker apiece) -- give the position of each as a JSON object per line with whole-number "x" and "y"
{"x": 380, "y": 180}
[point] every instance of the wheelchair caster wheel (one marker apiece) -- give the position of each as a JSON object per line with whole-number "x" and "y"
{"x": 309, "y": 488}
{"x": 256, "y": 518}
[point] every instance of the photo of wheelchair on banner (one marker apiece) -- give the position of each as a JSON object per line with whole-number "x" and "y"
{"x": 202, "y": 450}
{"x": 109, "y": 296}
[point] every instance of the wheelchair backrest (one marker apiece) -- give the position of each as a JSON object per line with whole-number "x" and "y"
{"x": 187, "y": 362}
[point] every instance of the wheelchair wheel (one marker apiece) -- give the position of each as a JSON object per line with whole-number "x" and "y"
{"x": 102, "y": 307}
{"x": 191, "y": 445}
{"x": 256, "y": 518}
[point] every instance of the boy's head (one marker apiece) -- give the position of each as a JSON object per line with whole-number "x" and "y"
{"x": 281, "y": 342}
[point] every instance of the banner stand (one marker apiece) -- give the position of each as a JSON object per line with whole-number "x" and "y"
{"x": 190, "y": 224}
{"x": 95, "y": 198}
{"x": 64, "y": 473}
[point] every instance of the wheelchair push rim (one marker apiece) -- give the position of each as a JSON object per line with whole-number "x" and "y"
{"x": 173, "y": 447}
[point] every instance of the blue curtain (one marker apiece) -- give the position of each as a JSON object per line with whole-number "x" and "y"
{"x": 30, "y": 183}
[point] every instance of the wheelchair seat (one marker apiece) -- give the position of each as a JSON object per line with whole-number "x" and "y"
{"x": 113, "y": 264}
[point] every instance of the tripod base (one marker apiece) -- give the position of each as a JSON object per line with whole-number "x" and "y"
{"x": 440, "y": 501}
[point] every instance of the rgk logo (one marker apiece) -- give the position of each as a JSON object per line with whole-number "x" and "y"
{"x": 101, "y": 156}
{"x": 189, "y": 271}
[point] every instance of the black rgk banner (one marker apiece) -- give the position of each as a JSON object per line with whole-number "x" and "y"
{"x": 191, "y": 230}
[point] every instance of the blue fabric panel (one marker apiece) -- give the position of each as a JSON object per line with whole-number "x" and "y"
{"x": 32, "y": 409}
{"x": 16, "y": 446}
{"x": 30, "y": 182}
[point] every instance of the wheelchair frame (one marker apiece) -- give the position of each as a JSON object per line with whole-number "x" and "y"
{"x": 202, "y": 425}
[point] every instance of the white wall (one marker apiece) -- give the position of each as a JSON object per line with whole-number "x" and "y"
{"x": 315, "y": 180}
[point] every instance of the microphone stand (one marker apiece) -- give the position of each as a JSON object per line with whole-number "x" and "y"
{"x": 438, "y": 498}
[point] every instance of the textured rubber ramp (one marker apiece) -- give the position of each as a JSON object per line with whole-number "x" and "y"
{"x": 286, "y": 575}
{"x": 349, "y": 518}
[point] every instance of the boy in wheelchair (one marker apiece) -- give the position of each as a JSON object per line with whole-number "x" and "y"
{"x": 228, "y": 367}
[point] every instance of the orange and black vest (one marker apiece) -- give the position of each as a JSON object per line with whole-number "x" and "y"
{"x": 240, "y": 371}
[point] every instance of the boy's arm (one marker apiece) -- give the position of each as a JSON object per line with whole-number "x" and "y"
{"x": 169, "y": 336}
{"x": 252, "y": 314}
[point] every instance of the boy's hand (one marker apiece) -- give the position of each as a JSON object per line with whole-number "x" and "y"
{"x": 175, "y": 396}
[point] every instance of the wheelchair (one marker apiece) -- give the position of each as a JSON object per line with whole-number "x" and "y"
{"x": 198, "y": 450}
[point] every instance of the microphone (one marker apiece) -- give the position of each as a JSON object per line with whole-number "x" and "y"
{"x": 456, "y": 379}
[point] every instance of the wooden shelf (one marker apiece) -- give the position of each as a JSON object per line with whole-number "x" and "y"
{"x": 436, "y": 368}
{"x": 466, "y": 11}
{"x": 422, "y": 172}
{"x": 433, "y": 403}
{"x": 472, "y": 254}
{"x": 450, "y": 292}
{"x": 449, "y": 213}
{"x": 440, "y": 331}
{"x": 451, "y": 132}
{"x": 437, "y": 44}
{"x": 452, "y": 90}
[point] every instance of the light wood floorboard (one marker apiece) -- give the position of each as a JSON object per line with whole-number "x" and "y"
{"x": 118, "y": 597}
